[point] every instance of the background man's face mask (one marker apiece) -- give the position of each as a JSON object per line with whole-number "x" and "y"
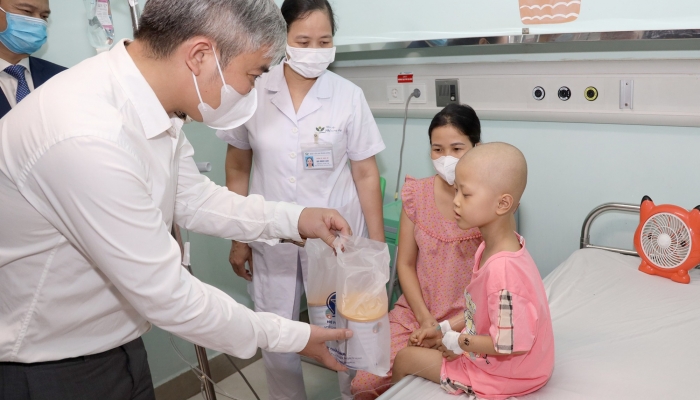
{"x": 235, "y": 109}
{"x": 24, "y": 35}
{"x": 445, "y": 167}
{"x": 309, "y": 63}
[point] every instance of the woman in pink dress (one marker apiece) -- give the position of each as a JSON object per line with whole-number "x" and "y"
{"x": 435, "y": 258}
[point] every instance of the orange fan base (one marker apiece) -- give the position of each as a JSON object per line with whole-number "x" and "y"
{"x": 680, "y": 276}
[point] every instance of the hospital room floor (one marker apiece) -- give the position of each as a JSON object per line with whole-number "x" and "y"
{"x": 321, "y": 384}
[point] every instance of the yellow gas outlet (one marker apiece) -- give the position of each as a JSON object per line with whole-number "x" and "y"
{"x": 591, "y": 93}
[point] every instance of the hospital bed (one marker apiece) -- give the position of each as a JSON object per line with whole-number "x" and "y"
{"x": 619, "y": 333}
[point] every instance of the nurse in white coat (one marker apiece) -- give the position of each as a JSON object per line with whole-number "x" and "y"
{"x": 308, "y": 124}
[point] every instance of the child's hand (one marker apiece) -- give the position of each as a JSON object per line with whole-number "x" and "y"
{"x": 449, "y": 355}
{"x": 426, "y": 325}
{"x": 425, "y": 337}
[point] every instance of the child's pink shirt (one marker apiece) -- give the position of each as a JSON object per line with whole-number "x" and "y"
{"x": 506, "y": 300}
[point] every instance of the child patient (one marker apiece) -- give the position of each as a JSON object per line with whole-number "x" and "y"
{"x": 503, "y": 344}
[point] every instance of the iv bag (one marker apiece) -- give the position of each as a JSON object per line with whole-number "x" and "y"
{"x": 100, "y": 25}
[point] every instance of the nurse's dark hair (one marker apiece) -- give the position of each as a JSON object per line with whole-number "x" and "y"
{"x": 293, "y": 10}
{"x": 461, "y": 117}
{"x": 235, "y": 26}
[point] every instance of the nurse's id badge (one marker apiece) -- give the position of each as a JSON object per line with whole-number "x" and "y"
{"x": 317, "y": 155}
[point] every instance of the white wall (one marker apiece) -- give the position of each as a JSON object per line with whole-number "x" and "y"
{"x": 68, "y": 42}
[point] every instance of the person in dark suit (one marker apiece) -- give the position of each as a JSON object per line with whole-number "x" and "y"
{"x": 22, "y": 32}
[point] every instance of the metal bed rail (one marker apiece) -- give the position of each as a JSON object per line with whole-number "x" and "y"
{"x": 595, "y": 213}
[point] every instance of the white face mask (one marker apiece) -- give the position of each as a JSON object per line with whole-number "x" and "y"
{"x": 445, "y": 167}
{"x": 309, "y": 63}
{"x": 235, "y": 109}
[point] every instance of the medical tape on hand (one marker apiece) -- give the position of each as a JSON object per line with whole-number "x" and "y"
{"x": 445, "y": 327}
{"x": 451, "y": 342}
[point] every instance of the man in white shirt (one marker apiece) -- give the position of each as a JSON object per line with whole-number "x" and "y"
{"x": 94, "y": 171}
{"x": 22, "y": 32}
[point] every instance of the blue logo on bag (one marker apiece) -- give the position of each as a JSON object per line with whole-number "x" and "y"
{"x": 330, "y": 303}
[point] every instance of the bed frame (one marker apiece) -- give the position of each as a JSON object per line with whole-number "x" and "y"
{"x": 595, "y": 213}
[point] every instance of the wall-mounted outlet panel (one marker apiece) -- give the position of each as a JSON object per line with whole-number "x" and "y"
{"x": 664, "y": 92}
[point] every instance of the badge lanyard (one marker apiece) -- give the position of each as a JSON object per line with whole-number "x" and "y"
{"x": 317, "y": 155}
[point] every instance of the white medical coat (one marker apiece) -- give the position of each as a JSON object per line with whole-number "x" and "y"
{"x": 336, "y": 109}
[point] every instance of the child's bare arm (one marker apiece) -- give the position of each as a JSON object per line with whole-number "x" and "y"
{"x": 457, "y": 322}
{"x": 482, "y": 344}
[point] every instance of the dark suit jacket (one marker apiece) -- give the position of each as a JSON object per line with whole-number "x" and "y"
{"x": 41, "y": 70}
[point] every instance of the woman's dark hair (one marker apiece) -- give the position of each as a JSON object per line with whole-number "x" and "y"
{"x": 293, "y": 10}
{"x": 462, "y": 117}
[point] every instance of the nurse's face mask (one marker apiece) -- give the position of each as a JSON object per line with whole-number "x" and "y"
{"x": 24, "y": 34}
{"x": 309, "y": 62}
{"x": 235, "y": 109}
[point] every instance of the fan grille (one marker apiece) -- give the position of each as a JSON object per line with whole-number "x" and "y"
{"x": 666, "y": 240}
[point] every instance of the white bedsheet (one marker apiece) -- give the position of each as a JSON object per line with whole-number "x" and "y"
{"x": 619, "y": 334}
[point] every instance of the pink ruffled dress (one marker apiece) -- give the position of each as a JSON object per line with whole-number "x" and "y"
{"x": 444, "y": 268}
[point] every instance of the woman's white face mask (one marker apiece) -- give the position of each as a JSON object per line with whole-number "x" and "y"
{"x": 445, "y": 167}
{"x": 235, "y": 109}
{"x": 309, "y": 63}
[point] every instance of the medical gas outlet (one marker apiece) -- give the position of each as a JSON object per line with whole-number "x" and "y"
{"x": 564, "y": 93}
{"x": 591, "y": 93}
{"x": 538, "y": 93}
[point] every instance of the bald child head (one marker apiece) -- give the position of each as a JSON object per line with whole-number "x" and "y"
{"x": 498, "y": 167}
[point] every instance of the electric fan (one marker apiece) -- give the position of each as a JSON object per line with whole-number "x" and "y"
{"x": 668, "y": 240}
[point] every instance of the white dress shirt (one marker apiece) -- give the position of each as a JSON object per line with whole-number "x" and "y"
{"x": 8, "y": 83}
{"x": 93, "y": 173}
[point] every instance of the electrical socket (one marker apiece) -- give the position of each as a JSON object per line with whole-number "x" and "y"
{"x": 408, "y": 89}
{"x": 395, "y": 94}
